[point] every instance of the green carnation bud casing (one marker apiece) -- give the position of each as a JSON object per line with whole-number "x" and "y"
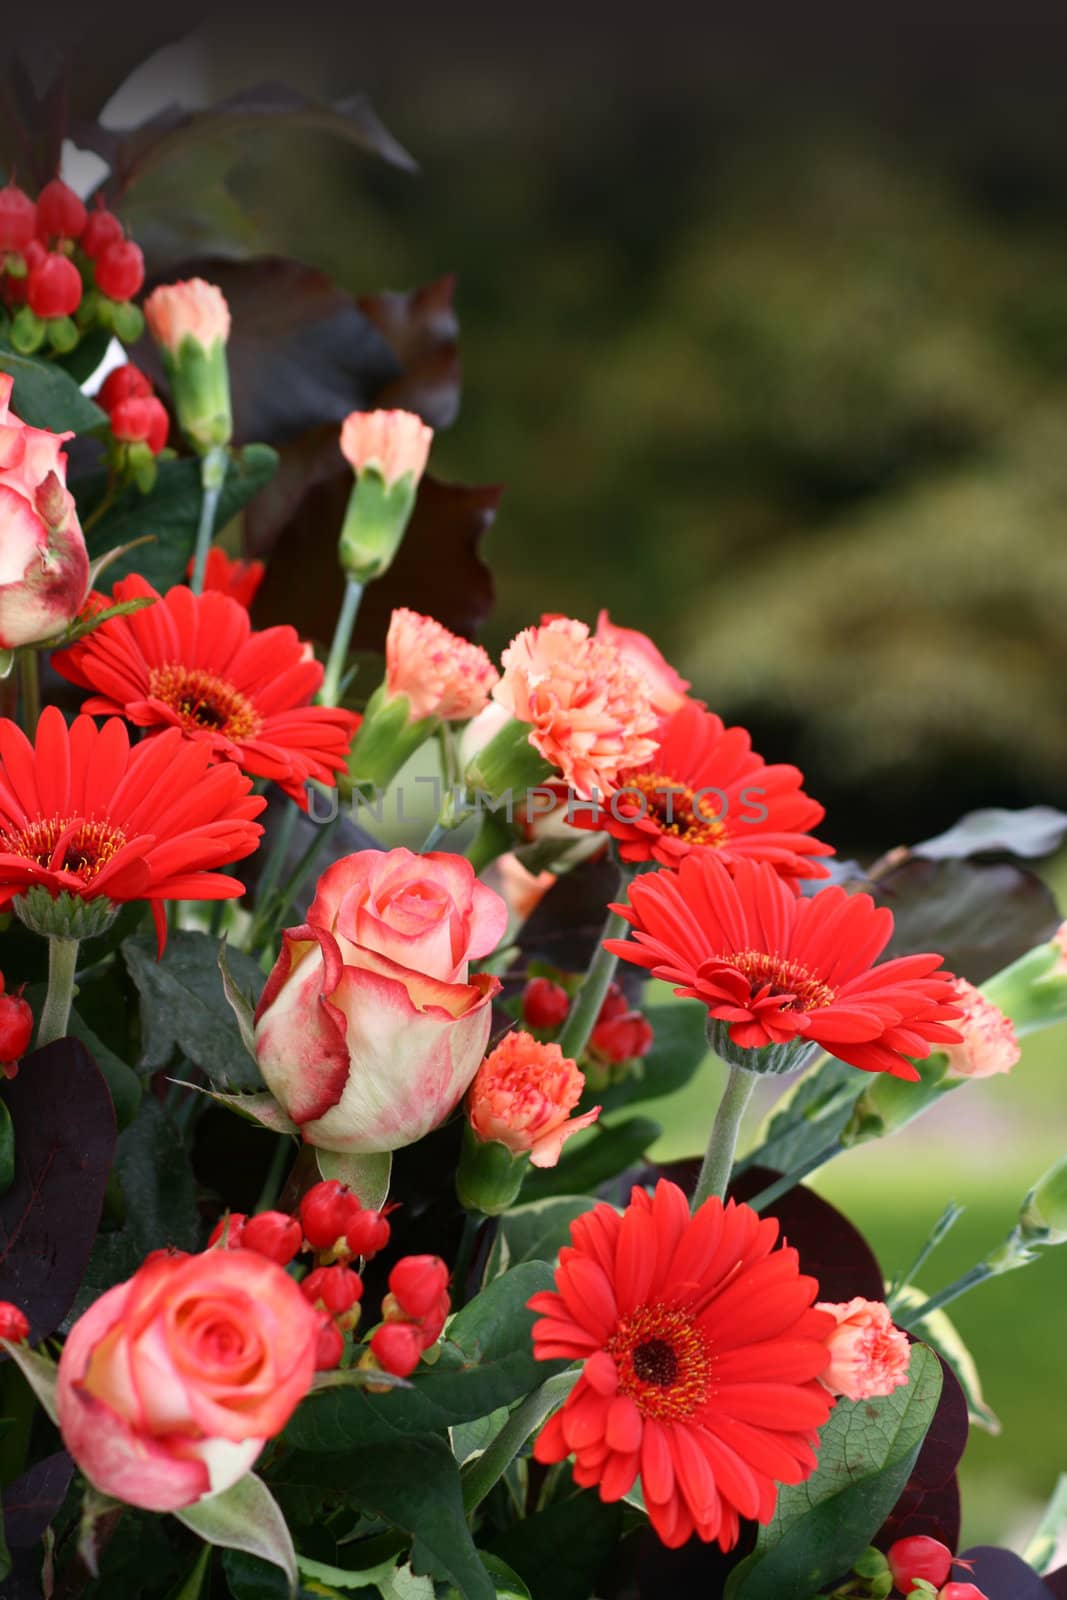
{"x": 1043, "y": 1218}
{"x": 1032, "y": 990}
{"x": 888, "y": 1104}
{"x": 375, "y": 522}
{"x": 387, "y": 737}
{"x": 200, "y": 387}
{"x": 489, "y": 1177}
{"x": 507, "y": 764}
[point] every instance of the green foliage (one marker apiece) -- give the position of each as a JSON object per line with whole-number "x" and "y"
{"x": 535, "y": 1232}
{"x": 593, "y": 1159}
{"x": 184, "y": 1007}
{"x": 559, "y": 1552}
{"x": 47, "y": 397}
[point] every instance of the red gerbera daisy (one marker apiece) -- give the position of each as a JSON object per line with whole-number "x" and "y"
{"x": 239, "y": 579}
{"x": 773, "y": 968}
{"x": 193, "y": 662}
{"x": 705, "y": 788}
{"x": 85, "y": 814}
{"x": 702, "y": 1356}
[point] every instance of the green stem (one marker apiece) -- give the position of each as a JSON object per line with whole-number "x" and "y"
{"x": 486, "y": 1470}
{"x": 472, "y": 1225}
{"x": 494, "y": 836}
{"x": 719, "y": 1157}
{"x": 272, "y": 1183}
{"x": 789, "y": 1180}
{"x": 62, "y": 965}
{"x": 212, "y": 477}
{"x": 279, "y": 850}
{"x": 947, "y": 1220}
{"x": 29, "y": 678}
{"x": 944, "y": 1297}
{"x": 330, "y": 693}
{"x": 581, "y": 1019}
{"x": 438, "y": 832}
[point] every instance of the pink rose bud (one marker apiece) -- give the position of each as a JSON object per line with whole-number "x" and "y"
{"x": 371, "y": 1025}
{"x": 13, "y": 1325}
{"x": 544, "y": 1004}
{"x": 18, "y": 220}
{"x": 190, "y": 322}
{"x": 60, "y": 213}
{"x": 869, "y": 1357}
{"x": 170, "y": 1384}
{"x": 418, "y": 1283}
{"x": 368, "y": 1233}
{"x": 989, "y": 1043}
{"x": 919, "y": 1558}
{"x": 16, "y": 1030}
{"x": 54, "y": 288}
{"x": 397, "y": 1346}
{"x": 330, "y": 1345}
{"x": 387, "y": 451}
{"x": 666, "y": 688}
{"x": 335, "y": 1289}
{"x": 274, "y": 1235}
{"x": 102, "y": 229}
{"x": 120, "y": 270}
{"x": 326, "y": 1212}
{"x": 44, "y": 565}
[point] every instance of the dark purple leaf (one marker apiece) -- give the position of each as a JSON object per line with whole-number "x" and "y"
{"x": 979, "y": 915}
{"x": 1056, "y": 1583}
{"x": 930, "y": 1502}
{"x": 1002, "y": 1575}
{"x": 1033, "y": 831}
{"x": 565, "y": 925}
{"x": 64, "y": 1147}
{"x": 422, "y": 330}
{"x": 830, "y": 1248}
{"x": 32, "y": 1500}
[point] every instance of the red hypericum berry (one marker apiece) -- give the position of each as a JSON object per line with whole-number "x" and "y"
{"x": 124, "y": 383}
{"x": 431, "y": 1324}
{"x": 367, "y": 1233}
{"x": 16, "y": 1030}
{"x": 13, "y": 1324}
{"x": 60, "y": 214}
{"x": 54, "y": 287}
{"x": 18, "y": 219}
{"x": 120, "y": 270}
{"x": 962, "y": 1591}
{"x": 232, "y": 1225}
{"x": 337, "y": 1289}
{"x": 103, "y": 228}
{"x": 326, "y": 1212}
{"x": 396, "y": 1347}
{"x": 919, "y": 1557}
{"x": 544, "y": 1004}
{"x": 331, "y": 1345}
{"x": 418, "y": 1282}
{"x": 626, "y": 1037}
{"x": 273, "y": 1234}
{"x": 140, "y": 419}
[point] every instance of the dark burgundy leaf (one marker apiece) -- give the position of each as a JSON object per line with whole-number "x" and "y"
{"x": 830, "y": 1248}
{"x": 32, "y": 1500}
{"x": 1033, "y": 831}
{"x": 979, "y": 915}
{"x": 930, "y": 1502}
{"x": 64, "y": 1147}
{"x": 422, "y": 330}
{"x": 566, "y": 924}
{"x": 1056, "y": 1583}
{"x": 1002, "y": 1575}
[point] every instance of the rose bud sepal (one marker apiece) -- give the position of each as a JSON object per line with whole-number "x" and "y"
{"x": 489, "y": 1177}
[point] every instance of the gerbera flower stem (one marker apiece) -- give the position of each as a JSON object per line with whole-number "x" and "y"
{"x": 212, "y": 477}
{"x": 330, "y": 693}
{"x": 30, "y": 681}
{"x": 719, "y": 1156}
{"x": 581, "y": 1019}
{"x": 62, "y": 965}
{"x": 486, "y": 1470}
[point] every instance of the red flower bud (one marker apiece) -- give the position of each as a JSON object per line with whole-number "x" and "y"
{"x": 120, "y": 270}
{"x": 418, "y": 1282}
{"x": 141, "y": 418}
{"x": 919, "y": 1557}
{"x": 16, "y": 1030}
{"x": 274, "y": 1235}
{"x": 232, "y": 1225}
{"x": 396, "y": 1347}
{"x": 326, "y": 1212}
{"x": 18, "y": 219}
{"x": 368, "y": 1232}
{"x": 54, "y": 287}
{"x": 544, "y": 1004}
{"x": 60, "y": 214}
{"x": 336, "y": 1289}
{"x": 13, "y": 1325}
{"x": 621, "y": 1038}
{"x": 124, "y": 383}
{"x": 614, "y": 1004}
{"x": 102, "y": 229}
{"x": 961, "y": 1591}
{"x": 331, "y": 1345}
{"x": 431, "y": 1324}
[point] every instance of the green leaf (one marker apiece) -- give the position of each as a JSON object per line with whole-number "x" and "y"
{"x": 245, "y": 1517}
{"x": 39, "y": 1372}
{"x": 487, "y": 1363}
{"x": 248, "y": 1578}
{"x": 535, "y": 1232}
{"x": 391, "y": 1581}
{"x": 680, "y": 1046}
{"x": 942, "y": 1335}
{"x": 192, "y": 1587}
{"x": 808, "y": 1117}
{"x": 866, "y": 1453}
{"x": 184, "y": 1007}
{"x": 47, "y": 397}
{"x": 509, "y": 1586}
{"x": 365, "y": 1175}
{"x": 606, "y": 1153}
{"x": 262, "y": 1108}
{"x": 123, "y": 1083}
{"x": 559, "y": 1552}
{"x": 241, "y": 1004}
{"x": 7, "y": 1148}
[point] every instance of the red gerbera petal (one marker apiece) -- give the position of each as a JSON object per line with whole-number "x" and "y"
{"x": 192, "y": 662}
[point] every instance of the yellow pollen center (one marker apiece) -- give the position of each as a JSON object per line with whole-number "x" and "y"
{"x": 66, "y": 844}
{"x": 203, "y": 702}
{"x": 664, "y": 1362}
{"x": 683, "y": 812}
{"x": 780, "y": 976}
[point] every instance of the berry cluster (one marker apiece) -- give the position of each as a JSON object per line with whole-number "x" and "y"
{"x": 139, "y": 424}
{"x": 336, "y": 1228}
{"x": 918, "y": 1566}
{"x": 64, "y": 270}
{"x": 16, "y": 1030}
{"x": 621, "y": 1036}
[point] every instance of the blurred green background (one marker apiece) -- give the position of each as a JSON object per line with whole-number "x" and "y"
{"x": 764, "y": 326}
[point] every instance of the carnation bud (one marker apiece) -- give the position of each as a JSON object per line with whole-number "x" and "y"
{"x": 228, "y": 1231}
{"x": 331, "y": 1345}
{"x": 418, "y": 1282}
{"x": 54, "y": 287}
{"x": 101, "y": 230}
{"x": 120, "y": 270}
{"x": 274, "y": 1235}
{"x": 123, "y": 383}
{"x": 544, "y": 1004}
{"x": 919, "y": 1558}
{"x": 326, "y": 1212}
{"x": 388, "y": 735}
{"x": 190, "y": 323}
{"x": 397, "y": 1346}
{"x": 13, "y": 1325}
{"x": 16, "y": 1030}
{"x": 18, "y": 219}
{"x": 387, "y": 451}
{"x": 60, "y": 213}
{"x": 336, "y": 1289}
{"x": 1033, "y": 990}
{"x": 367, "y": 1233}
{"x": 1043, "y": 1218}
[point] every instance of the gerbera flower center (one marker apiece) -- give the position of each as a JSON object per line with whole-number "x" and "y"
{"x": 204, "y": 702}
{"x": 775, "y": 977}
{"x": 664, "y": 1362}
{"x": 66, "y": 844}
{"x": 673, "y": 807}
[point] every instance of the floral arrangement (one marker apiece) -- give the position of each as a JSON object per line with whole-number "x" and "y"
{"x": 331, "y": 1253}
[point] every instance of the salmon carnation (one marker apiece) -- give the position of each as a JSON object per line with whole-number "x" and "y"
{"x": 523, "y": 1097}
{"x": 667, "y": 687}
{"x": 393, "y": 443}
{"x": 441, "y": 674}
{"x": 701, "y": 1357}
{"x": 869, "y": 1357}
{"x": 191, "y": 310}
{"x": 989, "y": 1044}
{"x": 590, "y": 712}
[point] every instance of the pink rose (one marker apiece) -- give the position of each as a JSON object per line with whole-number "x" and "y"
{"x": 370, "y": 1028}
{"x": 171, "y": 1383}
{"x": 869, "y": 1357}
{"x": 44, "y": 565}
